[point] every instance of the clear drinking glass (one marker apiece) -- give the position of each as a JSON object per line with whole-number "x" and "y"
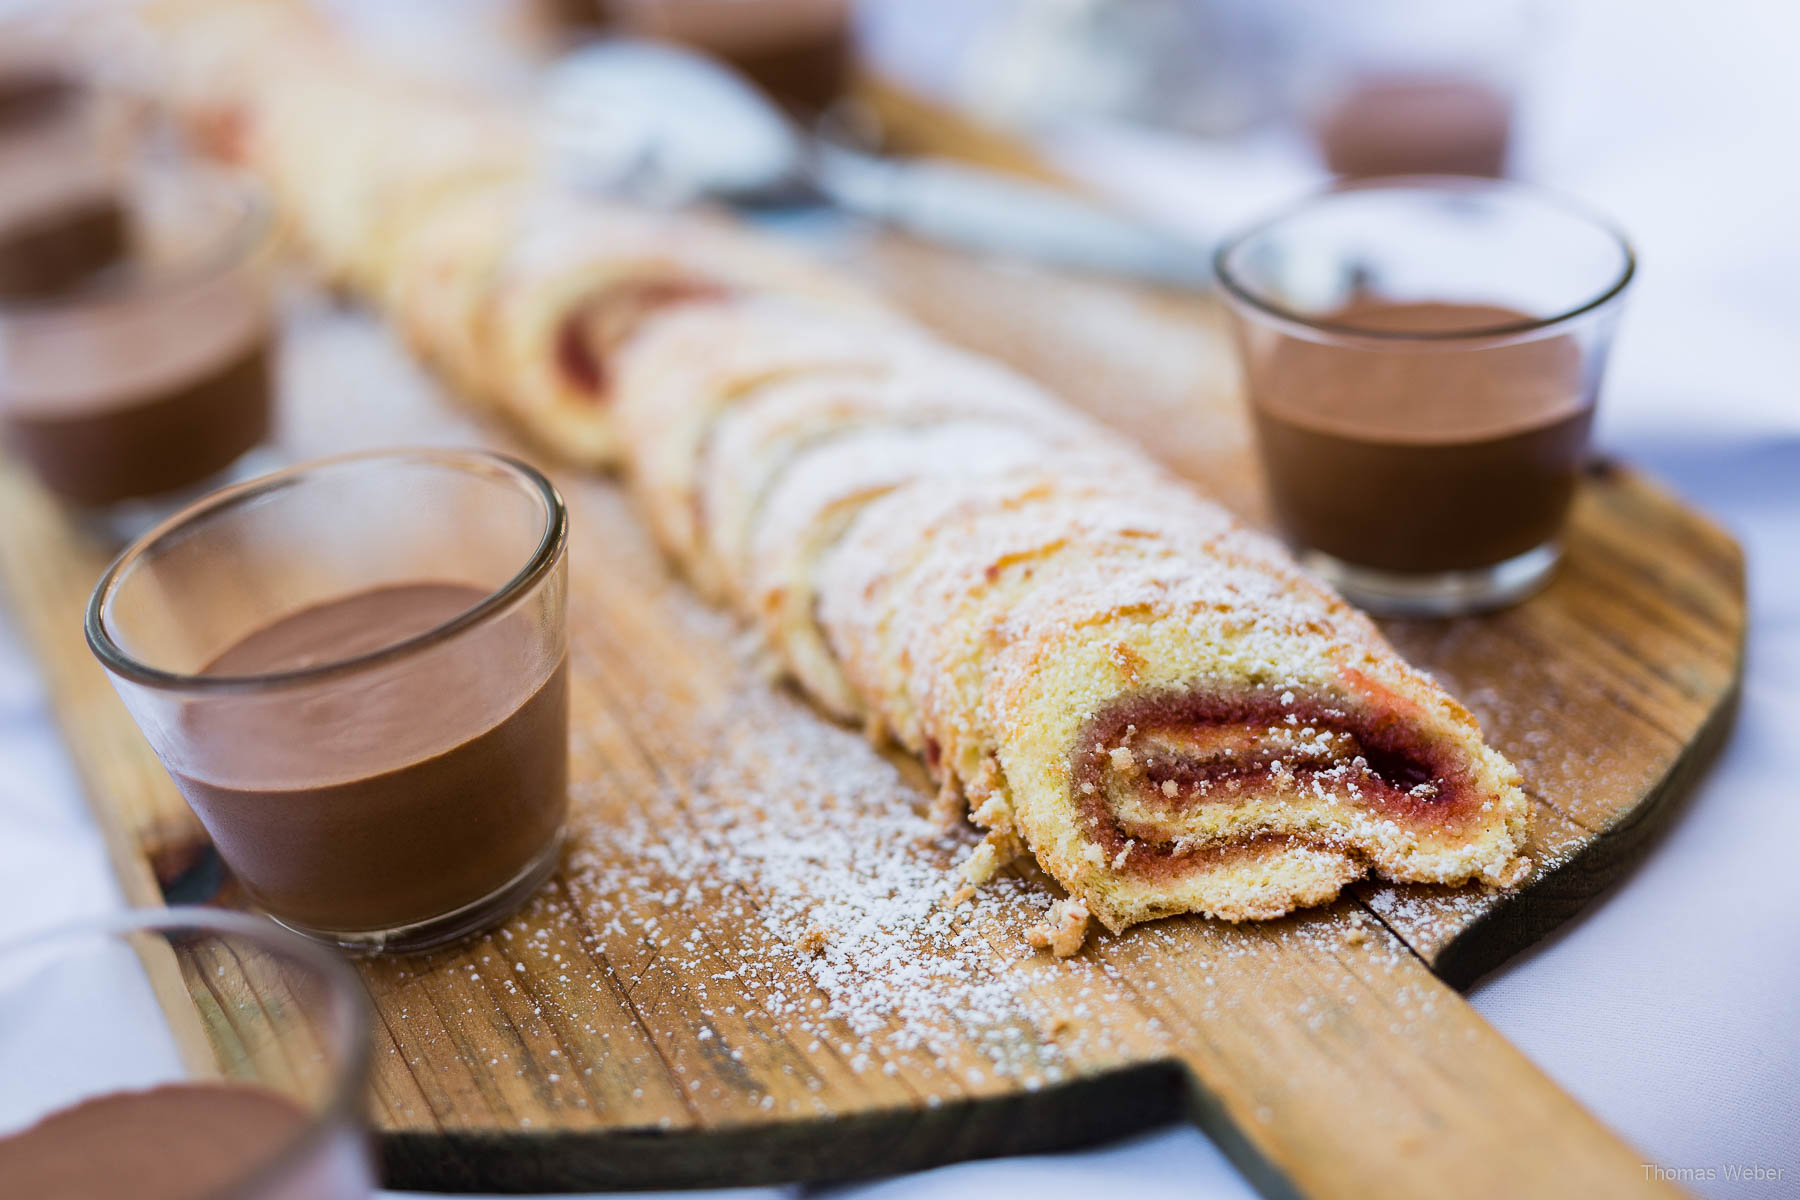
{"x": 154, "y": 376}
{"x": 1422, "y": 357}
{"x": 355, "y": 671}
{"x": 1409, "y": 87}
{"x": 144, "y": 1018}
{"x": 63, "y": 140}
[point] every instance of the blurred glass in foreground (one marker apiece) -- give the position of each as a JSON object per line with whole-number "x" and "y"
{"x": 253, "y": 1091}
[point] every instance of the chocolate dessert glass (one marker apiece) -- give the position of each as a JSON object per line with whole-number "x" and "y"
{"x": 355, "y": 671}
{"x": 154, "y": 376}
{"x": 116, "y": 1085}
{"x": 1395, "y": 87}
{"x": 1421, "y": 358}
{"x": 62, "y": 143}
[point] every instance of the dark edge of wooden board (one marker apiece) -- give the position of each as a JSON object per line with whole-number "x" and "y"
{"x": 1069, "y": 1116}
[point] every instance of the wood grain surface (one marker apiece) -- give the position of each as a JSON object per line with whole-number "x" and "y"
{"x": 743, "y": 972}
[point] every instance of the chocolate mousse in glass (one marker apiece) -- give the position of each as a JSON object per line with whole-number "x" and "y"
{"x": 115, "y": 1085}
{"x": 1421, "y": 359}
{"x": 151, "y": 378}
{"x": 62, "y": 143}
{"x": 1400, "y": 87}
{"x": 356, "y": 672}
{"x": 801, "y": 52}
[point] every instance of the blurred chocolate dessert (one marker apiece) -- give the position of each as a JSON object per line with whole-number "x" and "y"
{"x": 798, "y": 51}
{"x": 61, "y": 225}
{"x": 154, "y": 375}
{"x": 152, "y": 431}
{"x": 61, "y": 221}
{"x": 1397, "y": 124}
{"x": 33, "y": 91}
{"x": 163, "y": 1143}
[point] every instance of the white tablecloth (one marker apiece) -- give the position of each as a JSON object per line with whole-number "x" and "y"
{"x": 1670, "y": 1007}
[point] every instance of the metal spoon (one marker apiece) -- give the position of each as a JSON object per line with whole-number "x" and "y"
{"x": 670, "y": 126}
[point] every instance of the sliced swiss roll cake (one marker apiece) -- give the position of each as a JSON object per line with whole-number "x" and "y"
{"x": 584, "y": 279}
{"x": 756, "y": 440}
{"x": 719, "y": 400}
{"x": 355, "y": 156}
{"x": 686, "y": 369}
{"x": 352, "y": 151}
{"x": 977, "y": 541}
{"x": 440, "y": 272}
{"x": 1230, "y": 738}
{"x": 211, "y": 61}
{"x": 461, "y": 149}
{"x": 1167, "y": 713}
{"x": 817, "y": 498}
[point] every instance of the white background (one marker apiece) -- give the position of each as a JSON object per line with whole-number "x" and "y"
{"x": 1672, "y": 1008}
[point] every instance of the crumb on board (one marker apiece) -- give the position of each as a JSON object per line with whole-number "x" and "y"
{"x": 947, "y": 806}
{"x": 1516, "y": 871}
{"x": 987, "y": 859}
{"x": 1064, "y": 928}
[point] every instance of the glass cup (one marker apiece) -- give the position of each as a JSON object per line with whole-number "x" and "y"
{"x": 62, "y": 142}
{"x": 153, "y": 376}
{"x": 1408, "y": 87}
{"x": 182, "y": 1052}
{"x": 798, "y": 51}
{"x": 355, "y": 671}
{"x": 1421, "y": 360}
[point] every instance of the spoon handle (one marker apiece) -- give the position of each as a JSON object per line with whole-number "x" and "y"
{"x": 984, "y": 211}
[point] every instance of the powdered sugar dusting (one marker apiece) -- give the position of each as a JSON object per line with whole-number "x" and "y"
{"x": 811, "y": 856}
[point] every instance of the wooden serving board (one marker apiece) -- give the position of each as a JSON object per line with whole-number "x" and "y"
{"x": 743, "y": 973}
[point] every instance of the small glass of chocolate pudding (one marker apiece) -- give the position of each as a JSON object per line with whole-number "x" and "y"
{"x": 1421, "y": 357}
{"x": 62, "y": 154}
{"x": 1404, "y": 87}
{"x": 1403, "y": 124}
{"x": 153, "y": 377}
{"x": 798, "y": 51}
{"x": 177, "y": 1053}
{"x": 355, "y": 671}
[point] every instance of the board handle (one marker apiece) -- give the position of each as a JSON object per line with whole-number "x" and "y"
{"x": 1327, "y": 1061}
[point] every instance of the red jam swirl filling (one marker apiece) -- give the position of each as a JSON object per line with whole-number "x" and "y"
{"x": 576, "y": 359}
{"x": 1147, "y": 760}
{"x": 606, "y": 319}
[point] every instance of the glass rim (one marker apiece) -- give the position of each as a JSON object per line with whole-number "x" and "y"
{"x": 345, "y": 1101}
{"x": 1241, "y": 293}
{"x": 251, "y": 235}
{"x": 538, "y": 564}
